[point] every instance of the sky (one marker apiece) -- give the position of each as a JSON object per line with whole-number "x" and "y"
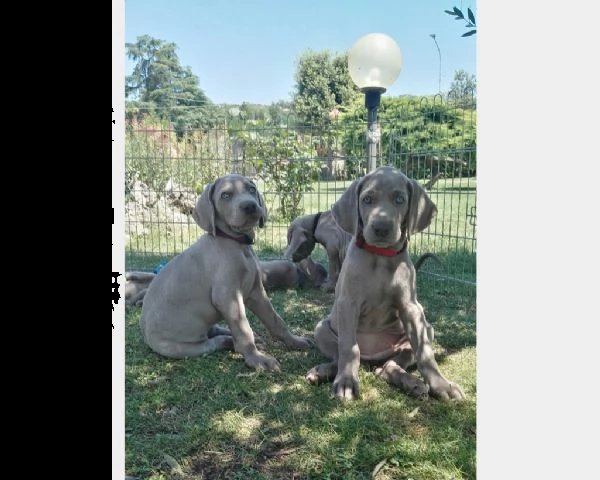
{"x": 246, "y": 51}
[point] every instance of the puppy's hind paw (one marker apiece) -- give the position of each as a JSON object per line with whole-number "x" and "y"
{"x": 312, "y": 376}
{"x": 324, "y": 372}
{"x": 397, "y": 376}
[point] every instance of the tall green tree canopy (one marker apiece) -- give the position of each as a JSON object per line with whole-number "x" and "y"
{"x": 414, "y": 125}
{"x": 159, "y": 83}
{"x": 322, "y": 83}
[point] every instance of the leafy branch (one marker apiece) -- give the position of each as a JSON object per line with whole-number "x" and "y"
{"x": 456, "y": 12}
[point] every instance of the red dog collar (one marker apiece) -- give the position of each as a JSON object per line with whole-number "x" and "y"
{"x": 385, "y": 252}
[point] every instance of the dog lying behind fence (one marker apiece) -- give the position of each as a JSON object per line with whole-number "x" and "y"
{"x": 284, "y": 274}
{"x": 375, "y": 315}
{"x": 308, "y": 230}
{"x": 214, "y": 280}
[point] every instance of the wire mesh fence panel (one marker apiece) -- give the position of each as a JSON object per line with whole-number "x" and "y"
{"x": 435, "y": 143}
{"x": 302, "y": 169}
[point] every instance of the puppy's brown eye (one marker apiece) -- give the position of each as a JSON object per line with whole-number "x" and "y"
{"x": 226, "y": 195}
{"x": 252, "y": 190}
{"x": 399, "y": 199}
{"x": 367, "y": 199}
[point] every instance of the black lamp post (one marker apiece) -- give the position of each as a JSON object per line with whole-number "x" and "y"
{"x": 374, "y": 63}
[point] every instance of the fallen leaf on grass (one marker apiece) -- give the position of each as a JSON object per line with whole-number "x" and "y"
{"x": 378, "y": 467}
{"x": 280, "y": 452}
{"x": 249, "y": 374}
{"x": 412, "y": 413}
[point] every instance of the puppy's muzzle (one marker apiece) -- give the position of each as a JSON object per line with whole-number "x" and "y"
{"x": 300, "y": 254}
{"x": 381, "y": 228}
{"x": 249, "y": 207}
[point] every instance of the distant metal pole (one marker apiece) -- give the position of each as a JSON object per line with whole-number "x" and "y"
{"x": 440, "y": 68}
{"x": 372, "y": 101}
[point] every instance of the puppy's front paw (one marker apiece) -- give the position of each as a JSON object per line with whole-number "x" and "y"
{"x": 445, "y": 390}
{"x": 260, "y": 361}
{"x": 299, "y": 343}
{"x": 346, "y": 388}
{"x": 328, "y": 286}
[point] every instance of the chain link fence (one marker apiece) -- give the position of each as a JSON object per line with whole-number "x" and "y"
{"x": 302, "y": 169}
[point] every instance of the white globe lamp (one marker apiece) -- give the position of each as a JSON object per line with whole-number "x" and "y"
{"x": 374, "y": 63}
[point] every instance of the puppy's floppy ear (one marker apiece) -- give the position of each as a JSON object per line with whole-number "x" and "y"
{"x": 263, "y": 219}
{"x": 345, "y": 211}
{"x": 204, "y": 212}
{"x": 300, "y": 242}
{"x": 421, "y": 209}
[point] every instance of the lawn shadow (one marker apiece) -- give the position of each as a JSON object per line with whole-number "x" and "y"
{"x": 308, "y": 435}
{"x": 213, "y": 417}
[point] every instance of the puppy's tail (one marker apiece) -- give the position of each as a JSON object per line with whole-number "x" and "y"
{"x": 425, "y": 256}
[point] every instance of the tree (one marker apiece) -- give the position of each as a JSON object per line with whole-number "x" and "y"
{"x": 459, "y": 15}
{"x": 254, "y": 112}
{"x": 159, "y": 83}
{"x": 284, "y": 163}
{"x": 414, "y": 131}
{"x": 342, "y": 86}
{"x": 322, "y": 83}
{"x": 279, "y": 112}
{"x": 462, "y": 89}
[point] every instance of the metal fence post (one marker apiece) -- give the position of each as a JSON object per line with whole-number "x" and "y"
{"x": 372, "y": 101}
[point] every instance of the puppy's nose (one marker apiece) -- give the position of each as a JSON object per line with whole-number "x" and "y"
{"x": 381, "y": 228}
{"x": 249, "y": 207}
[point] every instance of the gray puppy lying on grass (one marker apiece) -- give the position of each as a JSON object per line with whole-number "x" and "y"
{"x": 285, "y": 274}
{"x": 275, "y": 275}
{"x": 136, "y": 286}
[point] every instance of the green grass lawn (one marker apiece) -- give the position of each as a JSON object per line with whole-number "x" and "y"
{"x": 214, "y": 418}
